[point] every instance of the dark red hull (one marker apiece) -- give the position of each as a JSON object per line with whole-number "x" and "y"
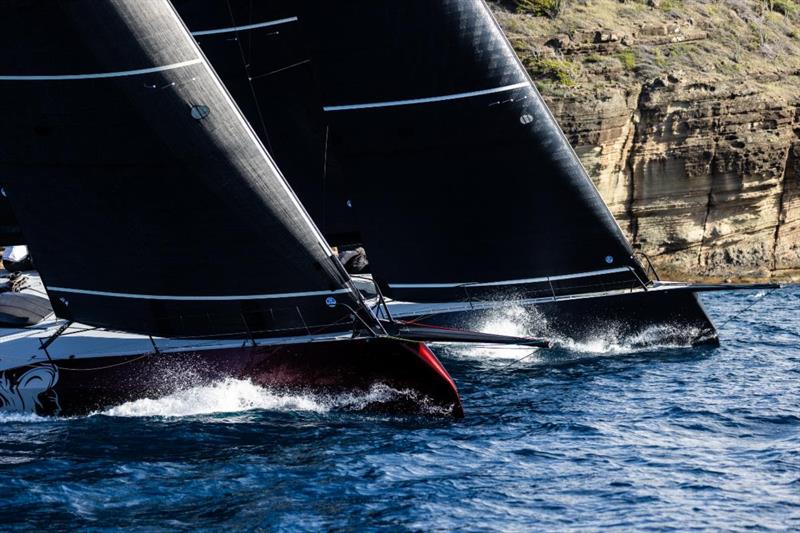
{"x": 81, "y": 386}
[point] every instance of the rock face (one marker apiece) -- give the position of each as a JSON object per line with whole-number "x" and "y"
{"x": 704, "y": 179}
{"x": 787, "y": 244}
{"x": 687, "y": 117}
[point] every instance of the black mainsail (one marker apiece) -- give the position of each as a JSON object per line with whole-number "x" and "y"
{"x": 151, "y": 207}
{"x": 146, "y": 199}
{"x": 465, "y": 185}
{"x": 418, "y": 117}
{"x": 10, "y": 233}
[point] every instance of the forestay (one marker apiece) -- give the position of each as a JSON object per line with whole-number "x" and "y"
{"x": 465, "y": 185}
{"x": 146, "y": 198}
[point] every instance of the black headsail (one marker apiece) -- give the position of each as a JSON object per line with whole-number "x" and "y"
{"x": 146, "y": 199}
{"x": 258, "y": 50}
{"x": 464, "y": 183}
{"x": 9, "y": 227}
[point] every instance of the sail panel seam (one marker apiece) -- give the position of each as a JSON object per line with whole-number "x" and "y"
{"x": 119, "y": 74}
{"x": 246, "y": 27}
{"x": 430, "y": 100}
{"x": 197, "y": 298}
{"x": 508, "y": 282}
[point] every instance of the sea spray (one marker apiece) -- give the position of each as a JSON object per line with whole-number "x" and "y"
{"x": 610, "y": 340}
{"x": 12, "y": 417}
{"x": 226, "y": 396}
{"x": 602, "y": 338}
{"x": 237, "y": 396}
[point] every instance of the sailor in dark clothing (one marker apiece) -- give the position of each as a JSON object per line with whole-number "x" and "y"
{"x": 355, "y": 261}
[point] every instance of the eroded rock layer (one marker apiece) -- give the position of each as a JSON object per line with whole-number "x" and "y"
{"x": 700, "y": 162}
{"x": 704, "y": 179}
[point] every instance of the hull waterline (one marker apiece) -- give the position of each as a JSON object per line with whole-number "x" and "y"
{"x": 640, "y": 318}
{"x": 417, "y": 382}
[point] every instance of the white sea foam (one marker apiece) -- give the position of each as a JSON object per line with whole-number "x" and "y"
{"x": 236, "y": 396}
{"x": 603, "y": 339}
{"x": 512, "y": 321}
{"x": 610, "y": 341}
{"x": 14, "y": 417}
{"x": 226, "y": 396}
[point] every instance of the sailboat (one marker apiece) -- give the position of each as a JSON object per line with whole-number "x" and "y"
{"x": 412, "y": 128}
{"x": 435, "y": 151}
{"x": 129, "y": 166}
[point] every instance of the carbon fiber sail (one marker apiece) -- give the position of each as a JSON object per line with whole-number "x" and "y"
{"x": 10, "y": 233}
{"x": 259, "y": 52}
{"x": 464, "y": 184}
{"x": 145, "y": 197}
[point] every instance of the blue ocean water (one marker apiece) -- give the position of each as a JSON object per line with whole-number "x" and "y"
{"x": 598, "y": 436}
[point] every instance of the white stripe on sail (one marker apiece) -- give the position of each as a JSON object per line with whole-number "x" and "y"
{"x": 245, "y": 27}
{"x": 197, "y": 298}
{"x": 508, "y": 282}
{"x": 254, "y": 138}
{"x": 416, "y": 101}
{"x": 119, "y": 74}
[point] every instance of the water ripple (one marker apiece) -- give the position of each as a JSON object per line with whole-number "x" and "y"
{"x": 607, "y": 435}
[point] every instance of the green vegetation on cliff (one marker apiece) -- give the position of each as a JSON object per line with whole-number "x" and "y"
{"x": 584, "y": 44}
{"x": 686, "y": 115}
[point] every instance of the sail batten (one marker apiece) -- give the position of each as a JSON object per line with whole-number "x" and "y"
{"x": 246, "y": 27}
{"x": 428, "y": 100}
{"x": 148, "y": 202}
{"x": 556, "y": 277}
{"x": 458, "y": 170}
{"x": 199, "y": 298}
{"x": 101, "y": 75}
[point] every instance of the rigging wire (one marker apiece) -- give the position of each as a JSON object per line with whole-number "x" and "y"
{"x": 756, "y": 300}
{"x": 356, "y": 315}
{"x": 95, "y": 369}
{"x": 246, "y": 66}
{"x": 276, "y": 71}
{"x": 515, "y": 361}
{"x": 249, "y": 35}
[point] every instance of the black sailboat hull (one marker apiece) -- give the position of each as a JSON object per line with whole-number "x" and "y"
{"x": 413, "y": 379}
{"x": 635, "y": 319}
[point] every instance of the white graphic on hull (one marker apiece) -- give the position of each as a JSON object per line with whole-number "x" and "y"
{"x": 31, "y": 392}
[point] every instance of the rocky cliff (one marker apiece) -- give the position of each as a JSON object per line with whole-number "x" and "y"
{"x": 687, "y": 117}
